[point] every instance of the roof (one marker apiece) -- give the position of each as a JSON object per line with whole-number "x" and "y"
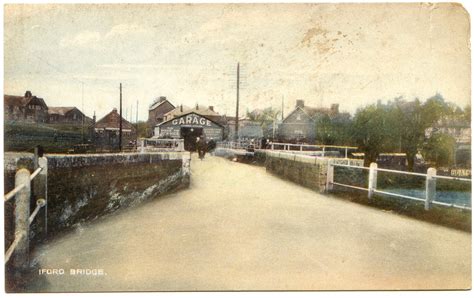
{"x": 313, "y": 112}
{"x": 211, "y": 118}
{"x": 198, "y": 110}
{"x": 112, "y": 120}
{"x": 158, "y": 102}
{"x": 21, "y": 101}
{"x": 206, "y": 112}
{"x": 60, "y": 110}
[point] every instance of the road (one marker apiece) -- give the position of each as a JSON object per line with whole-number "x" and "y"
{"x": 240, "y": 228}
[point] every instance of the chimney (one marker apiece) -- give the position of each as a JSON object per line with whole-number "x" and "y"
{"x": 162, "y": 98}
{"x": 300, "y": 103}
{"x": 181, "y": 108}
{"x": 197, "y": 107}
{"x": 28, "y": 94}
{"x": 114, "y": 110}
{"x": 211, "y": 108}
{"x": 335, "y": 108}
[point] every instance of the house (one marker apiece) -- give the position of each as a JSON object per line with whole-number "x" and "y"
{"x": 300, "y": 124}
{"x": 189, "y": 126}
{"x": 460, "y": 130}
{"x": 157, "y": 110}
{"x": 27, "y": 108}
{"x": 208, "y": 112}
{"x": 70, "y": 115}
{"x": 248, "y": 129}
{"x": 107, "y": 131}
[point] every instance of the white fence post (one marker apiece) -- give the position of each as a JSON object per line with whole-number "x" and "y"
{"x": 372, "y": 179}
{"x": 330, "y": 176}
{"x": 324, "y": 150}
{"x": 345, "y": 155}
{"x": 430, "y": 187}
{"x": 42, "y": 184}
{"x": 22, "y": 215}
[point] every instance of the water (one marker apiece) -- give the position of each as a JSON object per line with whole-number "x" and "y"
{"x": 462, "y": 198}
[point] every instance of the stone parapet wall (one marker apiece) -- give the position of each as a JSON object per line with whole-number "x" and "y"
{"x": 308, "y": 171}
{"x": 84, "y": 187}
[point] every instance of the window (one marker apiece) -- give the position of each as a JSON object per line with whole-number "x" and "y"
{"x": 298, "y": 117}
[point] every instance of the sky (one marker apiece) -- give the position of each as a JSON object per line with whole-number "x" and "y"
{"x": 350, "y": 54}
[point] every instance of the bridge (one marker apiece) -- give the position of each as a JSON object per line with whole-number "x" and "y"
{"x": 238, "y": 227}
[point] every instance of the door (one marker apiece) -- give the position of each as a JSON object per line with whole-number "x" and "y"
{"x": 189, "y": 134}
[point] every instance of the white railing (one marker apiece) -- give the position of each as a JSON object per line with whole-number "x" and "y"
{"x": 154, "y": 144}
{"x": 241, "y": 144}
{"x": 307, "y": 147}
{"x": 430, "y": 184}
{"x": 23, "y": 219}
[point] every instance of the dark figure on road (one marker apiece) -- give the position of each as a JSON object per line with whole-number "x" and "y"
{"x": 211, "y": 145}
{"x": 201, "y": 147}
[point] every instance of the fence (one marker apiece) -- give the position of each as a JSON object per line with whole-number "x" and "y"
{"x": 23, "y": 219}
{"x": 241, "y": 144}
{"x": 152, "y": 144}
{"x": 301, "y": 147}
{"x": 430, "y": 184}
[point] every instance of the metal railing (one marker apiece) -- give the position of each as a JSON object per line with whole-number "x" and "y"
{"x": 430, "y": 184}
{"x": 23, "y": 218}
{"x": 301, "y": 147}
{"x": 241, "y": 144}
{"x": 154, "y": 144}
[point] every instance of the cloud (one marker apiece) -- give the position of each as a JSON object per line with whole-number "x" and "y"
{"x": 82, "y": 39}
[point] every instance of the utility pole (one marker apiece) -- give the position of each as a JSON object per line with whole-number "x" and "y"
{"x": 120, "y": 120}
{"x": 82, "y": 130}
{"x": 136, "y": 124}
{"x": 237, "y": 108}
{"x": 282, "y": 106}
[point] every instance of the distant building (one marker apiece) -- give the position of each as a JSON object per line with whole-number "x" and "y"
{"x": 190, "y": 123}
{"x": 460, "y": 130}
{"x": 156, "y": 112}
{"x": 248, "y": 129}
{"x": 26, "y": 108}
{"x": 107, "y": 132}
{"x": 70, "y": 115}
{"x": 300, "y": 124}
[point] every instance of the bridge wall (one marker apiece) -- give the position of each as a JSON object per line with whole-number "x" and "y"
{"x": 84, "y": 187}
{"x": 305, "y": 170}
{"x": 309, "y": 171}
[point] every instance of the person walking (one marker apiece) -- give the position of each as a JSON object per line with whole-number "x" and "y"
{"x": 201, "y": 147}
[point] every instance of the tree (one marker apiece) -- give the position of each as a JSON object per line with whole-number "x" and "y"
{"x": 371, "y": 131}
{"x": 412, "y": 120}
{"x": 335, "y": 130}
{"x": 325, "y": 130}
{"x": 142, "y": 129}
{"x": 439, "y": 149}
{"x": 264, "y": 118}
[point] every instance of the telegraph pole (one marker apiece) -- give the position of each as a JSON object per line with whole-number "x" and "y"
{"x": 120, "y": 120}
{"x": 237, "y": 108}
{"x": 282, "y": 99}
{"x": 136, "y": 126}
{"x": 83, "y": 114}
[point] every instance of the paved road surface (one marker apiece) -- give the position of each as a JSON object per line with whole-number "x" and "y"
{"x": 239, "y": 228}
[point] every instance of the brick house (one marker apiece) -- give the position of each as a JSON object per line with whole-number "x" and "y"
{"x": 107, "y": 131}
{"x": 157, "y": 111}
{"x": 27, "y": 108}
{"x": 300, "y": 124}
{"x": 70, "y": 115}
